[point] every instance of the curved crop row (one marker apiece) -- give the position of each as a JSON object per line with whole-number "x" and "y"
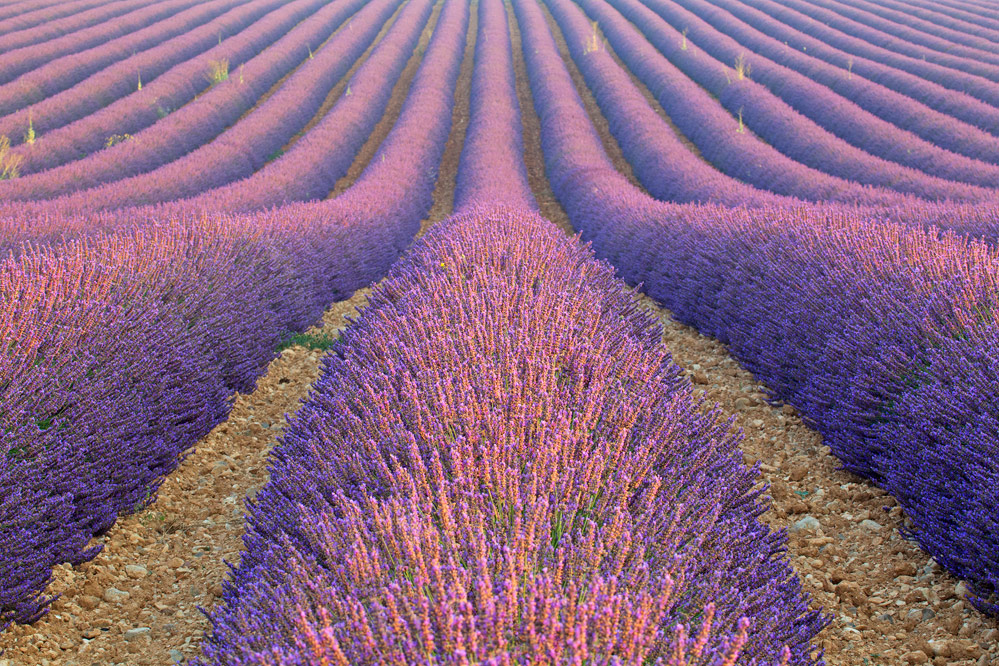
{"x": 933, "y": 35}
{"x": 954, "y": 103}
{"x": 965, "y": 11}
{"x": 25, "y": 14}
{"x": 159, "y": 321}
{"x": 244, "y": 147}
{"x": 780, "y": 125}
{"x": 961, "y": 74}
{"x": 78, "y": 92}
{"x": 168, "y": 92}
{"x": 197, "y": 122}
{"x": 666, "y": 168}
{"x": 53, "y": 23}
{"x": 830, "y": 96}
{"x": 900, "y": 348}
{"x": 714, "y": 131}
{"x": 957, "y": 23}
{"x": 136, "y": 29}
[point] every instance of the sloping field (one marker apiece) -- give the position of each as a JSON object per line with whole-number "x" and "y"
{"x": 603, "y": 332}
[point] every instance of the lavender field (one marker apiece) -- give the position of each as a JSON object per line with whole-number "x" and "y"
{"x": 673, "y": 332}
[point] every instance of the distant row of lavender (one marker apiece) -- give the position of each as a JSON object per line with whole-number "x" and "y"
{"x": 794, "y": 134}
{"x": 167, "y": 93}
{"x": 808, "y": 54}
{"x": 963, "y": 75}
{"x": 165, "y": 322}
{"x": 18, "y": 15}
{"x": 896, "y": 367}
{"x": 201, "y": 120}
{"x": 107, "y": 29}
{"x": 849, "y": 106}
{"x": 261, "y": 133}
{"x": 49, "y": 109}
{"x": 500, "y": 464}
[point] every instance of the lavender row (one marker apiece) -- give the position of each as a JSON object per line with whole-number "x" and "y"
{"x": 246, "y": 146}
{"x": 823, "y": 93}
{"x": 25, "y": 14}
{"x": 932, "y": 34}
{"x": 966, "y": 12}
{"x": 961, "y": 74}
{"x": 195, "y": 123}
{"x": 899, "y": 354}
{"x": 46, "y": 105}
{"x": 93, "y": 41}
{"x": 781, "y": 126}
{"x": 491, "y": 169}
{"x": 957, "y": 104}
{"x": 53, "y": 23}
{"x": 957, "y": 21}
{"x": 662, "y": 163}
{"x": 450, "y": 494}
{"x": 310, "y": 169}
{"x": 175, "y": 300}
{"x": 168, "y": 92}
{"x": 717, "y": 135}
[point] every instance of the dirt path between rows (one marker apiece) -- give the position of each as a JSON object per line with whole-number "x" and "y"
{"x": 137, "y": 601}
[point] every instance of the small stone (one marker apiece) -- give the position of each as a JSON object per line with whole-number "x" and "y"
{"x": 91, "y": 633}
{"x": 757, "y": 423}
{"x": 798, "y": 472}
{"x": 136, "y": 571}
{"x": 88, "y": 602}
{"x": 807, "y": 523}
{"x": 852, "y": 592}
{"x": 960, "y": 589}
{"x": 115, "y": 596}
{"x": 175, "y": 562}
{"x": 789, "y": 410}
{"x": 915, "y": 657}
{"x": 940, "y": 648}
{"x": 177, "y": 656}
{"x": 871, "y": 525}
{"x": 138, "y": 632}
{"x": 742, "y": 403}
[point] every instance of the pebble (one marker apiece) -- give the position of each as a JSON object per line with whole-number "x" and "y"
{"x": 177, "y": 656}
{"x": 871, "y": 525}
{"x": 807, "y": 523}
{"x": 176, "y": 562}
{"x": 114, "y": 596}
{"x": 136, "y": 571}
{"x": 138, "y": 632}
{"x": 916, "y": 657}
{"x": 960, "y": 589}
{"x": 798, "y": 472}
{"x": 88, "y": 602}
